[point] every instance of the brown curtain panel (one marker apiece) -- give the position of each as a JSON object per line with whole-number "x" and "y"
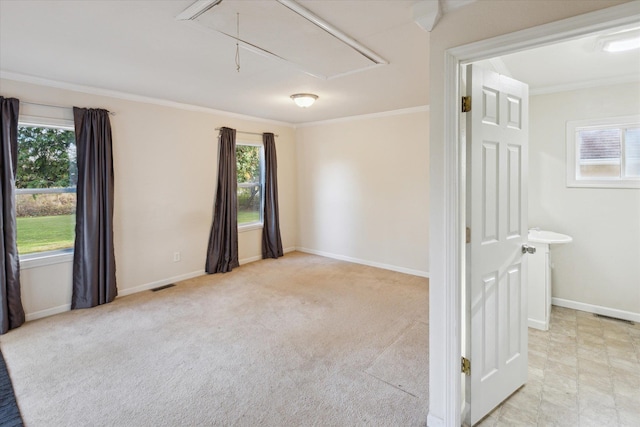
{"x": 271, "y": 241}
{"x": 11, "y": 311}
{"x": 94, "y": 265}
{"x": 222, "y": 252}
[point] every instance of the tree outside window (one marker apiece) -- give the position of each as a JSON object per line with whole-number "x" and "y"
{"x": 250, "y": 183}
{"x": 46, "y": 177}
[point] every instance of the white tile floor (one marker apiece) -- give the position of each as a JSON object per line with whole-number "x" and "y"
{"x": 583, "y": 371}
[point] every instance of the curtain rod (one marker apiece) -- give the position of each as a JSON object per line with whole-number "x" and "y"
{"x": 248, "y": 133}
{"x": 111, "y": 113}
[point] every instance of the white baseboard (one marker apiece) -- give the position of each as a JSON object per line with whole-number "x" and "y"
{"x": 47, "y": 312}
{"x": 259, "y": 257}
{"x": 537, "y": 324}
{"x": 121, "y": 293}
{"x": 250, "y": 259}
{"x": 152, "y": 285}
{"x": 411, "y": 271}
{"x": 597, "y": 309}
{"x": 141, "y": 288}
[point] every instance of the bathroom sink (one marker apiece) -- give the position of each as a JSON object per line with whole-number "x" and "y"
{"x": 539, "y": 275}
{"x": 548, "y": 237}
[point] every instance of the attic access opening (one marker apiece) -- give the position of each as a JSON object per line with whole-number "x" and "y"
{"x": 286, "y": 31}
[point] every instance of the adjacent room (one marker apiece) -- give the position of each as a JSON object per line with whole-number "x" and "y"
{"x": 582, "y": 321}
{"x": 262, "y": 236}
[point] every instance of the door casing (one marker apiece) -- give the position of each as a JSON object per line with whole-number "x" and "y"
{"x": 455, "y": 191}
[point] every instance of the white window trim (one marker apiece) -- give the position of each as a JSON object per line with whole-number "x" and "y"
{"x": 257, "y": 225}
{"x": 250, "y": 226}
{"x": 46, "y": 122}
{"x": 58, "y": 256}
{"x": 41, "y": 259}
{"x": 573, "y": 161}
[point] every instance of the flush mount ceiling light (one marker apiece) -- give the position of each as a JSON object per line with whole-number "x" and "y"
{"x": 620, "y": 42}
{"x": 304, "y": 100}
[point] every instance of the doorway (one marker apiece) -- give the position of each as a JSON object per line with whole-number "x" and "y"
{"x": 495, "y": 47}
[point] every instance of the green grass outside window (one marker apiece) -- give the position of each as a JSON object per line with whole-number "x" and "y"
{"x": 50, "y": 233}
{"x": 45, "y": 233}
{"x": 245, "y": 217}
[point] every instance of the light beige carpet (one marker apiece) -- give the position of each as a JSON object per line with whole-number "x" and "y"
{"x": 302, "y": 340}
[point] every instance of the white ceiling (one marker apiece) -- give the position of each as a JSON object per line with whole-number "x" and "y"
{"x": 138, "y": 47}
{"x": 574, "y": 64}
{"x": 315, "y": 51}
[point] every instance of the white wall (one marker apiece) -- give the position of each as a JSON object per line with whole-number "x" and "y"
{"x": 602, "y": 265}
{"x": 363, "y": 190}
{"x": 362, "y": 182}
{"x": 165, "y": 165}
{"x": 480, "y": 20}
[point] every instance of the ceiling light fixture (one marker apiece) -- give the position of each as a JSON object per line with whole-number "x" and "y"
{"x": 304, "y": 100}
{"x": 197, "y": 9}
{"x": 620, "y": 42}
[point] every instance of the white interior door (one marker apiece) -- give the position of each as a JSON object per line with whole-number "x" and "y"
{"x": 497, "y": 150}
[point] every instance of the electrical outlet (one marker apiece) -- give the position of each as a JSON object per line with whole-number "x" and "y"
{"x": 176, "y": 256}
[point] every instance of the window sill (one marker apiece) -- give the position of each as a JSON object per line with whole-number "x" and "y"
{"x": 249, "y": 227}
{"x": 628, "y": 183}
{"x": 45, "y": 258}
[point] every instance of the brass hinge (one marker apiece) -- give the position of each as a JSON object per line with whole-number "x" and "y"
{"x": 468, "y": 235}
{"x": 466, "y": 366}
{"x": 466, "y": 104}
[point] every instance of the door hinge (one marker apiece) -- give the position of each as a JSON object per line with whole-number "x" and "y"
{"x": 468, "y": 235}
{"x": 466, "y": 366}
{"x": 466, "y": 104}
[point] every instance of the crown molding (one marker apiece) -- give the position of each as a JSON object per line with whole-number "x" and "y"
{"x": 25, "y": 78}
{"x": 411, "y": 110}
{"x": 8, "y": 75}
{"x": 608, "y": 81}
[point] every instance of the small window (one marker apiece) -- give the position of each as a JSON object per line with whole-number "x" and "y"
{"x": 249, "y": 159}
{"x": 604, "y": 153}
{"x": 46, "y": 176}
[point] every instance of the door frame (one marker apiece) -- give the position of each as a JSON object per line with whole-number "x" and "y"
{"x": 455, "y": 191}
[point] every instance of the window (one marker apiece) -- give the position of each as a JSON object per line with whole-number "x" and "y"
{"x": 604, "y": 153}
{"x": 249, "y": 160}
{"x": 46, "y": 179}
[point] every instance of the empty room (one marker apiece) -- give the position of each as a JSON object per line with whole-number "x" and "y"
{"x": 230, "y": 212}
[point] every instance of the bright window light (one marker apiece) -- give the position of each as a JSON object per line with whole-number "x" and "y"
{"x": 622, "y": 45}
{"x": 620, "y": 42}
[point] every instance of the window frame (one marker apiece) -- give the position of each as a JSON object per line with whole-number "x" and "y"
{"x": 573, "y": 158}
{"x": 248, "y": 226}
{"x": 57, "y": 256}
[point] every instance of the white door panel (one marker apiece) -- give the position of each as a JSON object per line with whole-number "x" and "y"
{"x": 497, "y": 138}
